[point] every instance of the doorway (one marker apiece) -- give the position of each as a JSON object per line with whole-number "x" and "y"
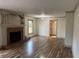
{"x": 53, "y": 28}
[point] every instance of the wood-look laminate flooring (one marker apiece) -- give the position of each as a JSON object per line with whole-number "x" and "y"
{"x": 37, "y": 47}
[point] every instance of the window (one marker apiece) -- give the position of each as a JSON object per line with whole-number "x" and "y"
{"x": 30, "y": 28}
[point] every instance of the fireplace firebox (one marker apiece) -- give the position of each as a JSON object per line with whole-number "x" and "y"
{"x": 14, "y": 34}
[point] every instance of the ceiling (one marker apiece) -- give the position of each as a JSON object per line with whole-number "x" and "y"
{"x": 38, "y": 6}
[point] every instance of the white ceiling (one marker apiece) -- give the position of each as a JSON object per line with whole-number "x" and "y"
{"x": 38, "y": 6}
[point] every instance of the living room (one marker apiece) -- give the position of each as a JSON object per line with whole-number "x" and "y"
{"x": 39, "y": 29}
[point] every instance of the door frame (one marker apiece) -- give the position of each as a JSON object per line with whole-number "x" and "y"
{"x": 50, "y": 26}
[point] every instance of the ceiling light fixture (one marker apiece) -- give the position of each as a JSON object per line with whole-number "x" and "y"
{"x": 42, "y": 15}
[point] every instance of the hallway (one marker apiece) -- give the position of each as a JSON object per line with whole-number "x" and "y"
{"x": 37, "y": 47}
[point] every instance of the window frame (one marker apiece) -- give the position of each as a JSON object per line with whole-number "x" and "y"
{"x": 32, "y": 27}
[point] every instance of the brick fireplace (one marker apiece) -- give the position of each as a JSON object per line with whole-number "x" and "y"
{"x": 14, "y": 34}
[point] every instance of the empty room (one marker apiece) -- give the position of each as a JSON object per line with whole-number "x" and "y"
{"x": 39, "y": 28}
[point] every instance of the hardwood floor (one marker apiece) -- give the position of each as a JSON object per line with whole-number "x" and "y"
{"x": 37, "y": 47}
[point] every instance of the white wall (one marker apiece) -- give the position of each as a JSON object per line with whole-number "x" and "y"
{"x": 69, "y": 29}
{"x": 26, "y": 26}
{"x": 35, "y": 26}
{"x": 13, "y": 19}
{"x": 76, "y": 34}
{"x": 61, "y": 28}
{"x": 44, "y": 26}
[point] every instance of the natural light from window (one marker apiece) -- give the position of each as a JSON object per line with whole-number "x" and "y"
{"x": 30, "y": 22}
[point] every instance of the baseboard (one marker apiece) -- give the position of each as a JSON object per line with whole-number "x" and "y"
{"x": 43, "y": 36}
{"x": 67, "y": 46}
{"x": 34, "y": 35}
